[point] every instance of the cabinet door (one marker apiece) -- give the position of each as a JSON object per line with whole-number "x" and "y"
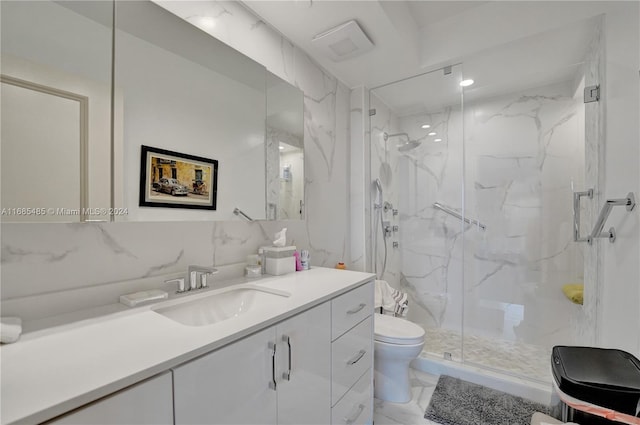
{"x": 229, "y": 386}
{"x": 304, "y": 367}
{"x": 149, "y": 402}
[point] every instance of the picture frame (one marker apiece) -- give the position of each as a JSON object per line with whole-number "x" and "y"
{"x": 170, "y": 179}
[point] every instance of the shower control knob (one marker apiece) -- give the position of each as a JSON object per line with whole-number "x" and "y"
{"x": 396, "y": 244}
{"x": 395, "y": 228}
{"x": 395, "y": 211}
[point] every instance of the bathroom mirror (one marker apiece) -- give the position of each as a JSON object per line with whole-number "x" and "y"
{"x": 56, "y": 99}
{"x": 178, "y": 89}
{"x": 175, "y": 88}
{"x": 285, "y": 150}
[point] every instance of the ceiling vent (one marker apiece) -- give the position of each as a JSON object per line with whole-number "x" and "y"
{"x": 343, "y": 42}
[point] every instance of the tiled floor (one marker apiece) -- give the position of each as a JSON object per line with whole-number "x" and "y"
{"x": 412, "y": 413}
{"x": 525, "y": 360}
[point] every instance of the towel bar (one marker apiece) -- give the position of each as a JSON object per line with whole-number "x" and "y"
{"x": 458, "y": 215}
{"x": 629, "y": 203}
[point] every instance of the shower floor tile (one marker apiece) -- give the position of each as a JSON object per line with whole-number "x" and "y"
{"x": 513, "y": 357}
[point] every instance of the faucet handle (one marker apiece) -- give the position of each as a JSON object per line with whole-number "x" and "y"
{"x": 203, "y": 278}
{"x": 180, "y": 282}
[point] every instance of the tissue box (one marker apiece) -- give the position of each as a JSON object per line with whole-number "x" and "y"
{"x": 279, "y": 260}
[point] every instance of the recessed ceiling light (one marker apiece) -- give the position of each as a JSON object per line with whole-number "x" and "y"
{"x": 281, "y": 148}
{"x": 437, "y": 140}
{"x": 425, "y": 126}
{"x": 466, "y": 83}
{"x": 207, "y": 22}
{"x": 433, "y": 133}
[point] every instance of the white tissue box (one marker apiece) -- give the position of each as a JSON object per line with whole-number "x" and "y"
{"x": 279, "y": 260}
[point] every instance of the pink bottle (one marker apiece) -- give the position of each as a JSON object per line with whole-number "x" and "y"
{"x": 298, "y": 262}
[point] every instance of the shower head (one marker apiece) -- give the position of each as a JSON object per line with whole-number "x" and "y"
{"x": 377, "y": 184}
{"x": 406, "y": 146}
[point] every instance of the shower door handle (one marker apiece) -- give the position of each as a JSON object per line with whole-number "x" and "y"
{"x": 576, "y": 214}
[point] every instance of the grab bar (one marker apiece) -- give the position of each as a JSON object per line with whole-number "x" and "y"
{"x": 458, "y": 215}
{"x": 629, "y": 202}
{"x": 237, "y": 211}
{"x": 576, "y": 214}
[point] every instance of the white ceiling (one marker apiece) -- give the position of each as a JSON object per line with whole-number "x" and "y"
{"x": 503, "y": 45}
{"x": 426, "y": 13}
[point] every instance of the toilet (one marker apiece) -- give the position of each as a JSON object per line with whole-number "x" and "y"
{"x": 397, "y": 342}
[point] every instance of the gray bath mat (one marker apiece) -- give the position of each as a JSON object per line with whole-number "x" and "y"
{"x": 458, "y": 402}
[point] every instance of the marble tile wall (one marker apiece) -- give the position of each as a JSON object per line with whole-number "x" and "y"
{"x": 40, "y": 258}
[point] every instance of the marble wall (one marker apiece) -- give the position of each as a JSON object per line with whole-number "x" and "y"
{"x": 41, "y": 258}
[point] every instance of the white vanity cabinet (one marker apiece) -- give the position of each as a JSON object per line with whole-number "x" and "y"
{"x": 149, "y": 402}
{"x": 279, "y": 375}
{"x": 352, "y": 357}
{"x": 304, "y": 350}
{"x": 229, "y": 385}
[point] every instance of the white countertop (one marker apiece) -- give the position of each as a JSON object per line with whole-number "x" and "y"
{"x": 50, "y": 372}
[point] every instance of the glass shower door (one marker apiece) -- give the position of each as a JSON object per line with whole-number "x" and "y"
{"x": 417, "y": 154}
{"x": 525, "y": 155}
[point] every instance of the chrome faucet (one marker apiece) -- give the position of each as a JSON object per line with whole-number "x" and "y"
{"x": 203, "y": 271}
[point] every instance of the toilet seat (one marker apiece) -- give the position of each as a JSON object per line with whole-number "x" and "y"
{"x": 394, "y": 330}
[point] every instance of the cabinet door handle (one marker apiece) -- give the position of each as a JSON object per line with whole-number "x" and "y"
{"x": 273, "y": 384}
{"x": 350, "y": 420}
{"x": 357, "y": 309}
{"x": 355, "y": 359}
{"x": 287, "y": 375}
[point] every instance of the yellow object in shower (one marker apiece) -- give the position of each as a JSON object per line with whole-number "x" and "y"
{"x": 574, "y": 291}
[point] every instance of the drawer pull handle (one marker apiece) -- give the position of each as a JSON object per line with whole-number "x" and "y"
{"x": 356, "y": 415}
{"x": 273, "y": 384}
{"x": 357, "y": 357}
{"x": 357, "y": 309}
{"x": 287, "y": 375}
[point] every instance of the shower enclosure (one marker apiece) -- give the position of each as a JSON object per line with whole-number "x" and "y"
{"x": 474, "y": 208}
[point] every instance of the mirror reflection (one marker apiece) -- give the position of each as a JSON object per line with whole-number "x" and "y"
{"x": 56, "y": 72}
{"x": 285, "y": 150}
{"x": 157, "y": 122}
{"x": 195, "y": 100}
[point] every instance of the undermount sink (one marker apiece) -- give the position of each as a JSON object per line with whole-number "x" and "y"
{"x": 223, "y": 305}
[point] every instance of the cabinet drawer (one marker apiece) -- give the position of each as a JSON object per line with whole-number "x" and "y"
{"x": 351, "y": 356}
{"x": 356, "y": 407}
{"x": 349, "y": 309}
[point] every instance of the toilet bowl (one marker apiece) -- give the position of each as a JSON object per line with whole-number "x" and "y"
{"x": 397, "y": 342}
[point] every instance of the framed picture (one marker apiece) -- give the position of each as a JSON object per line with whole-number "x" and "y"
{"x": 176, "y": 180}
